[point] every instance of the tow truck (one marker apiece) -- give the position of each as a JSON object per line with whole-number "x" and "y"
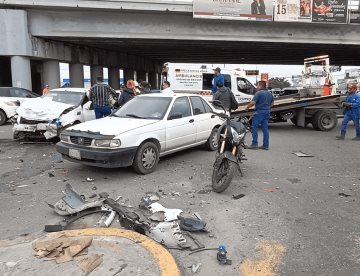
{"x": 317, "y": 101}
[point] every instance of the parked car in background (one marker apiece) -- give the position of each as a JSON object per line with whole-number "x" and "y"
{"x": 10, "y": 100}
{"x": 278, "y": 92}
{"x": 46, "y": 116}
{"x": 144, "y": 129}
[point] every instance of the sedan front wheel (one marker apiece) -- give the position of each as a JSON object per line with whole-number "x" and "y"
{"x": 146, "y": 158}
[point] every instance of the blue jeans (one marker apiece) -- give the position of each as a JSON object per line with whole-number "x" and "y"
{"x": 101, "y": 111}
{"x": 349, "y": 116}
{"x": 261, "y": 118}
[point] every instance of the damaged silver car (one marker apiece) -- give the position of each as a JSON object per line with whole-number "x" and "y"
{"x": 46, "y": 116}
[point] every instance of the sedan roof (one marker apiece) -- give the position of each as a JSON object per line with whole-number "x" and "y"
{"x": 70, "y": 89}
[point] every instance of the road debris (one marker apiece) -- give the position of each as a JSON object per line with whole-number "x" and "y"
{"x": 269, "y": 190}
{"x": 73, "y": 203}
{"x": 238, "y": 196}
{"x": 192, "y": 224}
{"x": 196, "y": 268}
{"x": 170, "y": 214}
{"x": 22, "y": 186}
{"x": 168, "y": 234}
{"x": 61, "y": 249}
{"x": 344, "y": 195}
{"x": 89, "y": 179}
{"x": 301, "y": 154}
{"x": 221, "y": 255}
{"x": 89, "y": 263}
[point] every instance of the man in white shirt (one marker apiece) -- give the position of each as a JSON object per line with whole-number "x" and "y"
{"x": 166, "y": 88}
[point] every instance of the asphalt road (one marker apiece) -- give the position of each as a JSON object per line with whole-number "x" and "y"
{"x": 299, "y": 215}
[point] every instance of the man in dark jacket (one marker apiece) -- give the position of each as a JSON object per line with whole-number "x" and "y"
{"x": 125, "y": 96}
{"x": 223, "y": 95}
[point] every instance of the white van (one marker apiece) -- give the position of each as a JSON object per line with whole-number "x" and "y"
{"x": 198, "y": 79}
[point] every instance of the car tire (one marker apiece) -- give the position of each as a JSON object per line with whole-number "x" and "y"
{"x": 212, "y": 141}
{"x": 3, "y": 118}
{"x": 146, "y": 158}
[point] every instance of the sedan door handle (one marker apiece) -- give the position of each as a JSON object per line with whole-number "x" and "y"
{"x": 191, "y": 120}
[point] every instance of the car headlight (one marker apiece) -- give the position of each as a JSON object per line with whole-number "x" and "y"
{"x": 64, "y": 137}
{"x": 112, "y": 143}
{"x": 13, "y": 103}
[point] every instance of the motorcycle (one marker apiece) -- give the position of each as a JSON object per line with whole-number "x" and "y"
{"x": 229, "y": 155}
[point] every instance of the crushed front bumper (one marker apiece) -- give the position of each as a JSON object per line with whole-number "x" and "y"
{"x": 106, "y": 158}
{"x": 44, "y": 130}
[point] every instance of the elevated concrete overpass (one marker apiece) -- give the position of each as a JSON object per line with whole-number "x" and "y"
{"x": 138, "y": 36}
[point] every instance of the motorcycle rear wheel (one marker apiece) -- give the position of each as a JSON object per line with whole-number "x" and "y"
{"x": 223, "y": 173}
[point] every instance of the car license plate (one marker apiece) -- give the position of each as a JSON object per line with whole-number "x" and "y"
{"x": 74, "y": 153}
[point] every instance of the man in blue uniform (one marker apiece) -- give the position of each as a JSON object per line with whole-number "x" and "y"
{"x": 217, "y": 78}
{"x": 351, "y": 112}
{"x": 263, "y": 100}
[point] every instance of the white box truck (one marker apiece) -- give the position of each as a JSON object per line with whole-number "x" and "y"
{"x": 198, "y": 79}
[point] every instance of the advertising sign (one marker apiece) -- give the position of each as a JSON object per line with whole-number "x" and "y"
{"x": 330, "y": 11}
{"x": 354, "y": 17}
{"x": 252, "y": 72}
{"x": 258, "y": 10}
{"x": 292, "y": 10}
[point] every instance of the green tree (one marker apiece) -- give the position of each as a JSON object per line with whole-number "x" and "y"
{"x": 278, "y": 83}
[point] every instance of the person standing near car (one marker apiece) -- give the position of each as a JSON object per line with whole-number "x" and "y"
{"x": 218, "y": 77}
{"x": 166, "y": 88}
{"x": 128, "y": 93}
{"x": 263, "y": 100}
{"x": 223, "y": 95}
{"x": 351, "y": 112}
{"x": 45, "y": 90}
{"x": 103, "y": 98}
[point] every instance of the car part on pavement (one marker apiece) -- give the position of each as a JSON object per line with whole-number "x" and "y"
{"x": 168, "y": 234}
{"x": 170, "y": 214}
{"x": 128, "y": 219}
{"x": 148, "y": 199}
{"x": 73, "y": 203}
{"x": 66, "y": 222}
{"x": 221, "y": 255}
{"x": 192, "y": 224}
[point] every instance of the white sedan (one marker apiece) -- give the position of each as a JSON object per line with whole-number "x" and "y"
{"x": 47, "y": 115}
{"x": 144, "y": 129}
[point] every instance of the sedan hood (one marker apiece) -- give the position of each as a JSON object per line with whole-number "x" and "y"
{"x": 112, "y": 125}
{"x": 41, "y": 109}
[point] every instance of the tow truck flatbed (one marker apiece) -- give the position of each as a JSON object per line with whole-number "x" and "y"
{"x": 318, "y": 110}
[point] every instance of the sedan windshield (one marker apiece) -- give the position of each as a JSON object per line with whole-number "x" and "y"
{"x": 67, "y": 97}
{"x": 144, "y": 108}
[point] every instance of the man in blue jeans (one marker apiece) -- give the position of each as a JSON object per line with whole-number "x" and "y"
{"x": 263, "y": 100}
{"x": 351, "y": 112}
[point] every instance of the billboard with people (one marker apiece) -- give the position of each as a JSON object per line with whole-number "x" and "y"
{"x": 258, "y": 10}
{"x": 293, "y": 10}
{"x": 330, "y": 11}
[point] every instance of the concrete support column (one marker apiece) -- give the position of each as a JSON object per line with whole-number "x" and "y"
{"x": 51, "y": 73}
{"x": 128, "y": 74}
{"x": 76, "y": 75}
{"x": 114, "y": 78}
{"x": 140, "y": 75}
{"x": 153, "y": 80}
{"x": 21, "y": 72}
{"x": 96, "y": 71}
